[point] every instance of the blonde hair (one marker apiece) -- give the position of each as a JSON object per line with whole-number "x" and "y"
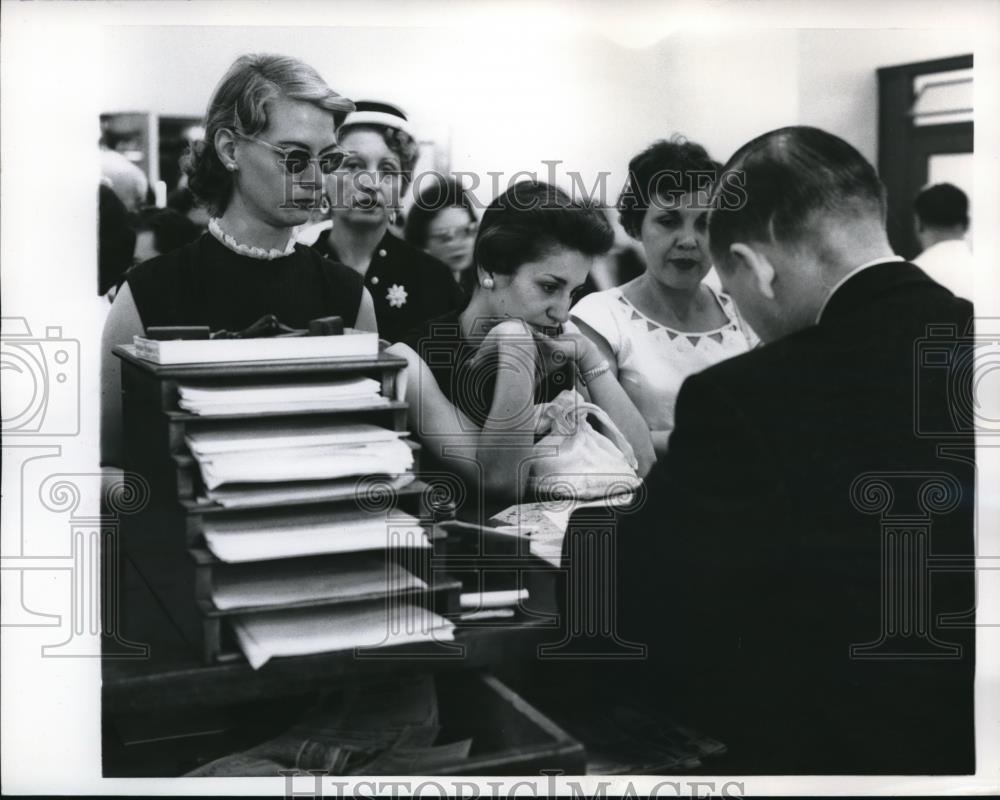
{"x": 239, "y": 102}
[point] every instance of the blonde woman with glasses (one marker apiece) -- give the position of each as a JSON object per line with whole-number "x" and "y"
{"x": 270, "y": 139}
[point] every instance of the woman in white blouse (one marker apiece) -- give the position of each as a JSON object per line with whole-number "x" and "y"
{"x": 668, "y": 323}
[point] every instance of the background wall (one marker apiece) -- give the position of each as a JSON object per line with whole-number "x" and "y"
{"x": 503, "y": 103}
{"x": 838, "y": 90}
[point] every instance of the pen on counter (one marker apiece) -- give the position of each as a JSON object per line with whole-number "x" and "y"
{"x": 509, "y": 530}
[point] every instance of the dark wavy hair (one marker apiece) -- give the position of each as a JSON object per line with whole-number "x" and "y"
{"x": 430, "y": 201}
{"x": 664, "y": 170}
{"x": 531, "y": 220}
{"x": 239, "y": 103}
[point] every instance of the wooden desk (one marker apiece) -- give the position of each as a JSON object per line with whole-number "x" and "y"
{"x": 174, "y": 675}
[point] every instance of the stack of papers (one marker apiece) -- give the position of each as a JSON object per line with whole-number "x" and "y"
{"x": 306, "y": 580}
{"x": 265, "y": 452}
{"x": 351, "y": 343}
{"x": 285, "y": 397}
{"x": 276, "y": 535}
{"x": 251, "y": 495}
{"x": 299, "y": 632}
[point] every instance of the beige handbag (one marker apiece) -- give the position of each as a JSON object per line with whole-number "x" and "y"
{"x": 572, "y": 460}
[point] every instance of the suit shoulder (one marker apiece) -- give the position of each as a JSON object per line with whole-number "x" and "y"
{"x": 774, "y": 356}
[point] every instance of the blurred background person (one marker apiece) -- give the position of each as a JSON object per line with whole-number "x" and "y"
{"x": 183, "y": 201}
{"x": 622, "y": 263}
{"x": 125, "y": 178}
{"x": 667, "y": 323}
{"x": 270, "y": 138}
{"x": 116, "y": 239}
{"x": 125, "y": 239}
{"x": 162, "y": 230}
{"x": 407, "y": 285}
{"x": 941, "y": 214}
{"x": 442, "y": 222}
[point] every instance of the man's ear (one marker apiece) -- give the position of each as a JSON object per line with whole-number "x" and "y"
{"x": 758, "y": 264}
{"x": 225, "y": 147}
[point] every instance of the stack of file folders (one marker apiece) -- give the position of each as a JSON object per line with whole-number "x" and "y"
{"x": 273, "y": 452}
{"x": 300, "y": 563}
{"x": 298, "y": 396}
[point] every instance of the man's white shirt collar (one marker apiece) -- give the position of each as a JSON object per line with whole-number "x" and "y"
{"x": 873, "y": 263}
{"x": 945, "y": 249}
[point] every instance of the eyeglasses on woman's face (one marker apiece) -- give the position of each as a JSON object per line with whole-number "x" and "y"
{"x": 446, "y": 235}
{"x": 296, "y": 160}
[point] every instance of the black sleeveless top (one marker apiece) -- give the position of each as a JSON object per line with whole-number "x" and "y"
{"x": 206, "y": 283}
{"x": 469, "y": 386}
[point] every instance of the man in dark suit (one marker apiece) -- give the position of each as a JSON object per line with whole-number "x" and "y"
{"x": 784, "y": 570}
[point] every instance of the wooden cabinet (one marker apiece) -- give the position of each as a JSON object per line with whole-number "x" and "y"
{"x": 166, "y": 573}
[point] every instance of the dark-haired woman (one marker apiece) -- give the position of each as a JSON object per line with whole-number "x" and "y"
{"x": 476, "y": 375}
{"x": 442, "y": 222}
{"x": 408, "y": 286}
{"x": 270, "y": 137}
{"x": 668, "y": 323}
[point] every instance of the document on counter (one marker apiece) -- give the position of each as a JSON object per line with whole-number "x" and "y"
{"x": 299, "y": 632}
{"x": 275, "y": 535}
{"x": 545, "y": 523}
{"x": 302, "y": 580}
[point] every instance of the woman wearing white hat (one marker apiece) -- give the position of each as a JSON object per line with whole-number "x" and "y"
{"x": 407, "y": 285}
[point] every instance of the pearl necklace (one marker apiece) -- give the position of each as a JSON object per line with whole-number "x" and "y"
{"x": 248, "y": 250}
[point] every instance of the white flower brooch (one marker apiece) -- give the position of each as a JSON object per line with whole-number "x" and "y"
{"x": 396, "y": 296}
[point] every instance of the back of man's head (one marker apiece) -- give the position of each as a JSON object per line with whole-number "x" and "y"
{"x": 798, "y": 208}
{"x": 789, "y": 180}
{"x": 942, "y": 212}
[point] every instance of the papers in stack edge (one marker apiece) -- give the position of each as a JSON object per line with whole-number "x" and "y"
{"x": 309, "y": 580}
{"x": 352, "y": 343}
{"x": 272, "y": 435}
{"x": 253, "y": 495}
{"x": 262, "y": 451}
{"x": 276, "y": 535}
{"x": 299, "y": 632}
{"x": 294, "y": 397}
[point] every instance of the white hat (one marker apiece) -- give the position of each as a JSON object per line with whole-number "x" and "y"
{"x": 375, "y": 112}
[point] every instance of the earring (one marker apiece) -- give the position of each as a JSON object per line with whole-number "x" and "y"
{"x": 231, "y": 167}
{"x": 488, "y": 283}
{"x": 392, "y": 217}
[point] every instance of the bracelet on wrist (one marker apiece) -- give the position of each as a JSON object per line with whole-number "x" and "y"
{"x": 588, "y": 375}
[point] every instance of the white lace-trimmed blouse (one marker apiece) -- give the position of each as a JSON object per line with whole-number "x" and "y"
{"x": 653, "y": 360}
